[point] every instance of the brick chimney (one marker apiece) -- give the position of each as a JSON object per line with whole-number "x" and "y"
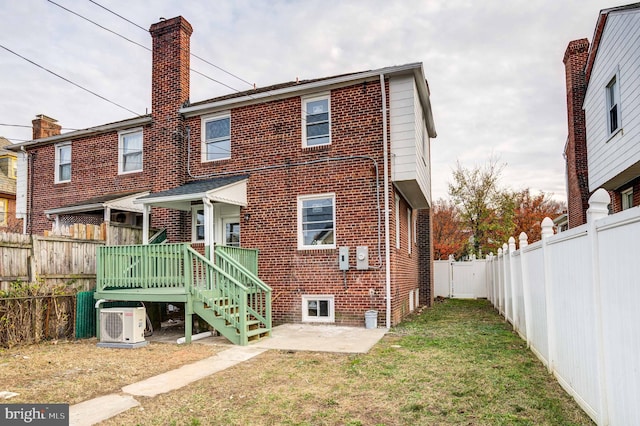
{"x": 166, "y": 155}
{"x": 44, "y": 126}
{"x": 575, "y": 60}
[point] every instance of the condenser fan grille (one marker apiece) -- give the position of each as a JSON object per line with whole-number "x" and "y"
{"x": 113, "y": 325}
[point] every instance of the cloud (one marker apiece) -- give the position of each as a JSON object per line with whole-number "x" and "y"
{"x": 494, "y": 68}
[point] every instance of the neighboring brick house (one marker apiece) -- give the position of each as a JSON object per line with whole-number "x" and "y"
{"x": 603, "y": 110}
{"x": 296, "y": 170}
{"x": 8, "y": 171}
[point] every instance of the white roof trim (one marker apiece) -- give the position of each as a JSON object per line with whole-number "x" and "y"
{"x": 126, "y": 203}
{"x": 234, "y": 193}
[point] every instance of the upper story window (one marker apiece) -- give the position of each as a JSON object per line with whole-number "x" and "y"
{"x": 13, "y": 168}
{"x": 63, "y": 162}
{"x": 613, "y": 105}
{"x": 316, "y": 121}
{"x": 4, "y": 209}
{"x": 216, "y": 138}
{"x": 316, "y": 221}
{"x": 130, "y": 151}
{"x": 627, "y": 199}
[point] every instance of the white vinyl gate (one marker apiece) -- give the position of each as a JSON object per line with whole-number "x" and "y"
{"x": 462, "y": 280}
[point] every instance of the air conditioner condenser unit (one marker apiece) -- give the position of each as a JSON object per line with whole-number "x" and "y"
{"x": 122, "y": 325}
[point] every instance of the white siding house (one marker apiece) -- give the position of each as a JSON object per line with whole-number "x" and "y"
{"x": 612, "y": 102}
{"x": 410, "y": 142}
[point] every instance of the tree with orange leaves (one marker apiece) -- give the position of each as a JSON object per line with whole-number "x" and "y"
{"x": 449, "y": 234}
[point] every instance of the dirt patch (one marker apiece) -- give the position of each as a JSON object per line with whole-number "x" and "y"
{"x": 74, "y": 371}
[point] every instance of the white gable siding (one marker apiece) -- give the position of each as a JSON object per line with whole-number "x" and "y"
{"x": 410, "y": 169}
{"x": 619, "y": 52}
{"x": 21, "y": 185}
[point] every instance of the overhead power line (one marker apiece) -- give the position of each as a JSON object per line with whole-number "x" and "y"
{"x": 67, "y": 80}
{"x": 30, "y": 127}
{"x": 135, "y": 42}
{"x": 192, "y": 54}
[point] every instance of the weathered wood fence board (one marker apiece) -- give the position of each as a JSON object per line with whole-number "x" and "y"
{"x": 59, "y": 260}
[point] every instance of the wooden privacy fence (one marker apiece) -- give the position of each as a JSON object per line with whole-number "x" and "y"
{"x": 25, "y": 320}
{"x": 50, "y": 261}
{"x": 573, "y": 297}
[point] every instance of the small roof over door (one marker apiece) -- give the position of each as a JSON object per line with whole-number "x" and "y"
{"x": 228, "y": 190}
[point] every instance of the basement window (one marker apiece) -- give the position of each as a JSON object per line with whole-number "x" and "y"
{"x": 318, "y": 308}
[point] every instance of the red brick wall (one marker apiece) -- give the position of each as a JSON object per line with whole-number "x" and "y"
{"x": 270, "y": 134}
{"x": 575, "y": 59}
{"x": 616, "y": 196}
{"x": 94, "y": 172}
{"x": 425, "y": 259}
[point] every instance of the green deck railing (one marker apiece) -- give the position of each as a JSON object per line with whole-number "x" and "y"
{"x": 229, "y": 287}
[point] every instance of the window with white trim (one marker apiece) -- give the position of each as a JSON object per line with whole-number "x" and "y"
{"x": 197, "y": 223}
{"x": 63, "y": 162}
{"x": 130, "y": 144}
{"x": 318, "y": 308}
{"x": 216, "y": 137}
{"x": 316, "y": 221}
{"x": 4, "y": 211}
{"x": 613, "y": 104}
{"x": 627, "y": 198}
{"x": 409, "y": 228}
{"x": 397, "y": 222}
{"x": 316, "y": 121}
{"x": 232, "y": 233}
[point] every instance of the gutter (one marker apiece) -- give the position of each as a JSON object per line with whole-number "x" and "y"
{"x": 134, "y": 122}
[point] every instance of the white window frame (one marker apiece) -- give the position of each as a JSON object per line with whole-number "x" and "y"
{"x": 409, "y": 228}
{"x": 305, "y": 101}
{"x": 121, "y": 154}
{"x": 627, "y": 198}
{"x": 58, "y": 148}
{"x": 397, "y": 222}
{"x": 613, "y": 102}
{"x": 322, "y": 297}
{"x": 205, "y": 142}
{"x": 301, "y": 199}
{"x": 194, "y": 223}
{"x": 229, "y": 221}
{"x": 12, "y": 167}
{"x": 4, "y": 211}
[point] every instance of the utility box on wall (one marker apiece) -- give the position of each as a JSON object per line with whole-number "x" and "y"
{"x": 343, "y": 258}
{"x": 362, "y": 257}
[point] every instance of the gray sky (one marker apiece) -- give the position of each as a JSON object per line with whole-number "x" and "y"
{"x": 494, "y": 67}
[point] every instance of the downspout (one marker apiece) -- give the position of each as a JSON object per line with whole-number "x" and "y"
{"x": 387, "y": 254}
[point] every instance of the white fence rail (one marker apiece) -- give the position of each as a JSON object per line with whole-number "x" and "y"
{"x": 574, "y": 298}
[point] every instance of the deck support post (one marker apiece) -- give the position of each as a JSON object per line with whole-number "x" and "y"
{"x": 188, "y": 318}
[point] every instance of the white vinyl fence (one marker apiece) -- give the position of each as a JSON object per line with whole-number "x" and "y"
{"x": 463, "y": 280}
{"x": 575, "y": 298}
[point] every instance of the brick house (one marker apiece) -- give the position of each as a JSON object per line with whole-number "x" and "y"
{"x": 603, "y": 82}
{"x": 8, "y": 171}
{"x": 303, "y": 171}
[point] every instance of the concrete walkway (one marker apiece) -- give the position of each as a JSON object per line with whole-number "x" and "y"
{"x": 295, "y": 337}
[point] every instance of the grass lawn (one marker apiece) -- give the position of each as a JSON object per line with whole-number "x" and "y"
{"x": 456, "y": 363}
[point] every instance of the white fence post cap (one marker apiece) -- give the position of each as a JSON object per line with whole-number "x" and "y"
{"x": 598, "y": 205}
{"x": 547, "y": 227}
{"x": 524, "y": 240}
